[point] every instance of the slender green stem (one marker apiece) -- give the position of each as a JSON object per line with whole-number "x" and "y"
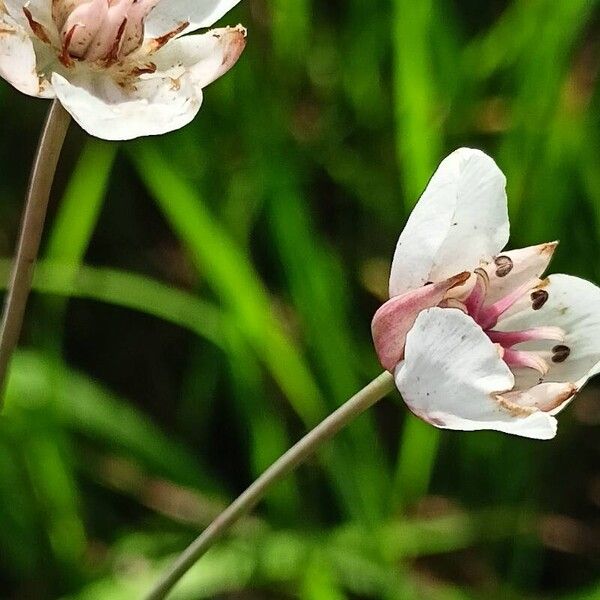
{"x": 297, "y": 454}
{"x": 32, "y": 226}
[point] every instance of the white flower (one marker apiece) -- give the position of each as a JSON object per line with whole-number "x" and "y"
{"x": 474, "y": 337}
{"x": 120, "y": 67}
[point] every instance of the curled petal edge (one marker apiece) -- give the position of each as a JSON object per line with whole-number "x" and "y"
{"x": 394, "y": 319}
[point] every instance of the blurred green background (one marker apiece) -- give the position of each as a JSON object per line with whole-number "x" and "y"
{"x": 205, "y": 297}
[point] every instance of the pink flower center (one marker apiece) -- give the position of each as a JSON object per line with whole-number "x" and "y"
{"x": 488, "y": 316}
{"x": 100, "y": 30}
{"x": 103, "y": 33}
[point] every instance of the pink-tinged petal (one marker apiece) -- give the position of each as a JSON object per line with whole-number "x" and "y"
{"x": 204, "y": 57}
{"x": 133, "y": 35}
{"x": 510, "y": 270}
{"x": 573, "y": 304}
{"x": 80, "y": 26}
{"x": 60, "y": 10}
{"x": 106, "y": 43}
{"x": 198, "y": 13}
{"x": 452, "y": 375}
{"x": 460, "y": 221}
{"x": 17, "y": 57}
{"x": 394, "y": 319}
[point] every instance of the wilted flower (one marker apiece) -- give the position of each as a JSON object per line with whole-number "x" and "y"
{"x": 120, "y": 67}
{"x": 474, "y": 338}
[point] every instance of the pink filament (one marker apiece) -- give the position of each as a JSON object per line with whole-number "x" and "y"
{"x": 488, "y": 317}
{"x": 508, "y": 339}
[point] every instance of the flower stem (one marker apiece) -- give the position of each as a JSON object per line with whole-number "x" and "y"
{"x": 297, "y": 454}
{"x": 32, "y": 226}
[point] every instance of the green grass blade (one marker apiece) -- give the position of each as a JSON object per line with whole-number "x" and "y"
{"x": 320, "y": 296}
{"x": 419, "y": 146}
{"x": 232, "y": 277}
{"x": 417, "y": 101}
{"x": 132, "y": 291}
{"x": 85, "y": 407}
{"x": 81, "y": 203}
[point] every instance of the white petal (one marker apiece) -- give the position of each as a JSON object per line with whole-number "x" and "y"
{"x": 105, "y": 110}
{"x": 573, "y": 304}
{"x": 460, "y": 220}
{"x": 525, "y": 264}
{"x": 17, "y": 57}
{"x": 204, "y": 57}
{"x": 199, "y": 13}
{"x": 452, "y": 373}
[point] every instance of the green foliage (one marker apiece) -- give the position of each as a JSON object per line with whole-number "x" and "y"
{"x": 204, "y": 298}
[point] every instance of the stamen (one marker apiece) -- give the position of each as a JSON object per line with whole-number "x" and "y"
{"x": 475, "y": 300}
{"x": 147, "y": 69}
{"x": 159, "y": 42}
{"x": 560, "y": 353}
{"x": 538, "y": 299}
{"x": 504, "y": 265}
{"x": 37, "y": 28}
{"x": 65, "y": 57}
{"x": 511, "y": 338}
{"x": 113, "y": 54}
{"x": 489, "y": 316}
{"x": 525, "y": 359}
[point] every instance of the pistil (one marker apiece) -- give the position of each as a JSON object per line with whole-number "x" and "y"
{"x": 488, "y": 317}
{"x": 476, "y": 298}
{"x": 101, "y": 31}
{"x": 525, "y": 359}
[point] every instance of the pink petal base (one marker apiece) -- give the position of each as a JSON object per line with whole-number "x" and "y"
{"x": 395, "y": 318}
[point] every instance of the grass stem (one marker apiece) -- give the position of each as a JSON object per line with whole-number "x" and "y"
{"x": 297, "y": 454}
{"x": 32, "y": 227}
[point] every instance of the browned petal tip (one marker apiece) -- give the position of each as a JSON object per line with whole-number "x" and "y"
{"x": 241, "y": 29}
{"x": 506, "y": 402}
{"x": 459, "y": 279}
{"x": 561, "y": 397}
{"x": 234, "y": 40}
{"x": 549, "y": 248}
{"x": 543, "y": 283}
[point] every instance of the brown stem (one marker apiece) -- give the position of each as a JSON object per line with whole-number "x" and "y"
{"x": 32, "y": 226}
{"x": 297, "y": 454}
